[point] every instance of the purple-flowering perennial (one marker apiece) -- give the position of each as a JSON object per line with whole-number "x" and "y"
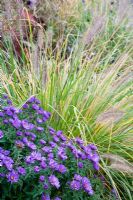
{"x": 36, "y": 155}
{"x": 54, "y": 181}
{"x": 45, "y": 197}
{"x": 42, "y": 178}
{"x": 39, "y": 121}
{"x": 19, "y": 144}
{"x": 39, "y": 128}
{"x": 77, "y": 177}
{"x": 87, "y": 185}
{"x": 43, "y": 165}
{"x": 1, "y": 114}
{"x": 36, "y": 169}
{"x": 26, "y": 125}
{"x": 16, "y": 123}
{"x": 45, "y": 186}
{"x": 75, "y": 185}
{"x": 25, "y": 106}
{"x": 57, "y": 198}
{"x": 42, "y": 142}
{"x": 21, "y": 170}
{"x": 56, "y": 139}
{"x": 1, "y": 134}
{"x": 35, "y": 107}
{"x": 62, "y": 169}
{"x": 80, "y": 165}
{"x": 47, "y": 149}
{"x": 13, "y": 176}
{"x": 19, "y": 133}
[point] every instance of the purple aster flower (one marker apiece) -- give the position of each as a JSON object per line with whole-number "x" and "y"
{"x": 8, "y": 163}
{"x": 37, "y": 101}
{"x": 1, "y": 163}
{"x": 40, "y": 111}
{"x": 13, "y": 109}
{"x": 96, "y": 166}
{"x": 6, "y": 152}
{"x": 50, "y": 155}
{"x": 56, "y": 139}
{"x": 47, "y": 149}
{"x": 2, "y": 175}
{"x": 9, "y": 113}
{"x": 43, "y": 165}
{"x": 52, "y": 131}
{"x": 19, "y": 133}
{"x": 87, "y": 185}
{"x": 17, "y": 111}
{"x": 70, "y": 145}
{"x": 62, "y": 154}
{"x": 92, "y": 146}
{"x": 31, "y": 100}
{"x": 39, "y": 128}
{"x": 1, "y": 134}
{"x": 87, "y": 150}
{"x": 39, "y": 121}
{"x": 13, "y": 176}
{"x": 11, "y": 120}
{"x": 59, "y": 133}
{"x": 1, "y": 114}
{"x": 33, "y": 136}
{"x": 79, "y": 141}
{"x": 36, "y": 169}
{"x": 42, "y": 178}
{"x": 57, "y": 198}
{"x": 43, "y": 158}
{"x": 54, "y": 181}
{"x": 21, "y": 170}
{"x": 53, "y": 164}
{"x": 27, "y": 133}
{"x": 44, "y": 119}
{"x": 5, "y": 96}
{"x": 52, "y": 144}
{"x": 26, "y": 125}
{"x": 77, "y": 177}
{"x": 16, "y": 123}
{"x": 45, "y": 186}
{"x": 19, "y": 144}
{"x": 95, "y": 158}
{"x": 80, "y": 165}
{"x": 35, "y": 107}
{"x": 62, "y": 169}
{"x": 32, "y": 146}
{"x": 63, "y": 138}
{"x": 45, "y": 197}
{"x": 75, "y": 185}
{"x": 25, "y": 106}
{"x": 9, "y": 102}
{"x": 83, "y": 156}
{"x": 25, "y": 140}
{"x": 29, "y": 160}
{"x": 36, "y": 155}
{"x": 63, "y": 144}
{"x": 46, "y": 114}
{"x": 6, "y": 121}
{"x": 43, "y": 142}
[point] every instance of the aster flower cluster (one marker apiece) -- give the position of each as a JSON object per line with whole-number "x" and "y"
{"x": 32, "y": 152}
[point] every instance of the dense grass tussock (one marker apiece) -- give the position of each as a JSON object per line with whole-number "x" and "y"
{"x": 80, "y": 69}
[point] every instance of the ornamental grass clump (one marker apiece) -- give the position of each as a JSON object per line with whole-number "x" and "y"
{"x": 37, "y": 162}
